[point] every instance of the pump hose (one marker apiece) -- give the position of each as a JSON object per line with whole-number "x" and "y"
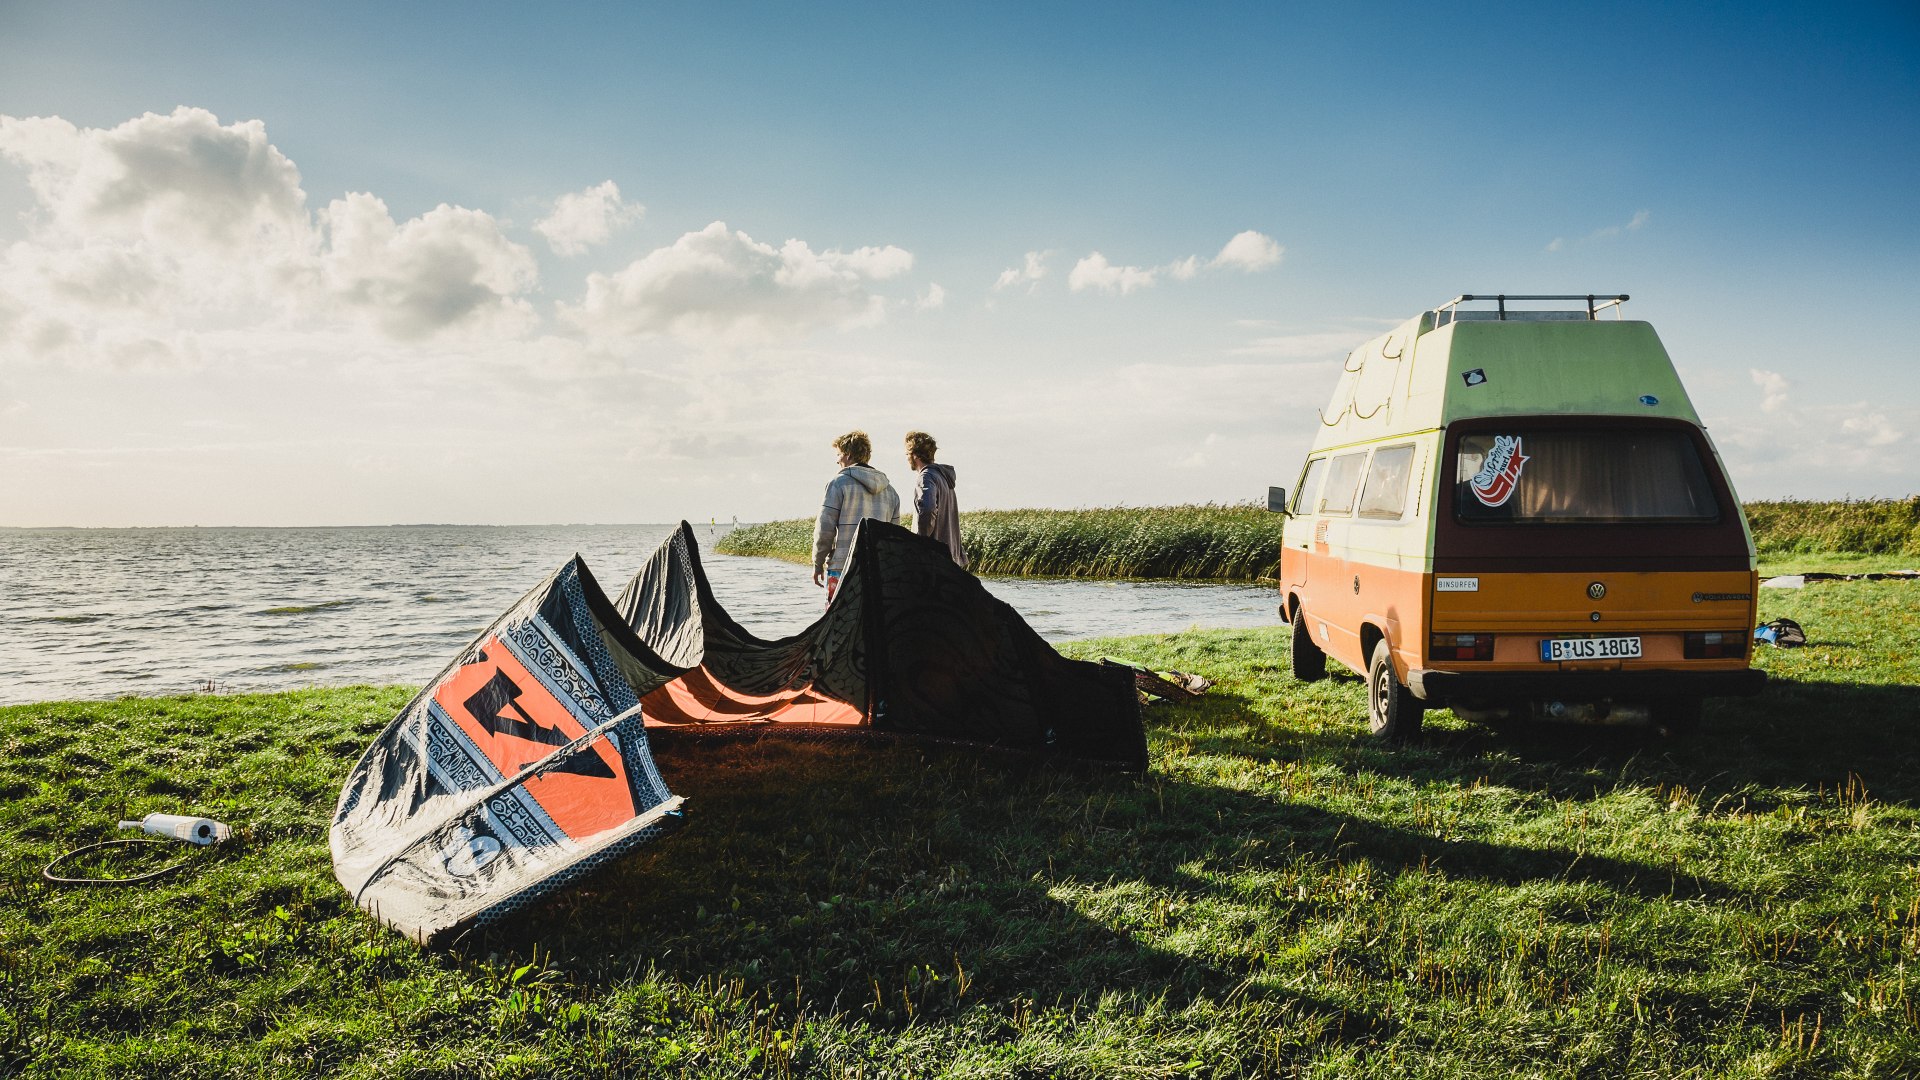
{"x": 48, "y": 873}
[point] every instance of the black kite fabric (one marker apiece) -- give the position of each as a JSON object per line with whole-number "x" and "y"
{"x": 525, "y": 764}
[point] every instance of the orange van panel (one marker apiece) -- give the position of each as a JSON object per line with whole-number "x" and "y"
{"x": 1630, "y": 602}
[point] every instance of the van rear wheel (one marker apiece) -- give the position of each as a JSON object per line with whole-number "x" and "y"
{"x": 1308, "y": 662}
{"x": 1392, "y": 710}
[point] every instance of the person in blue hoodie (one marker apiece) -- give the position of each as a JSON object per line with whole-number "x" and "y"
{"x": 858, "y": 492}
{"x": 936, "y": 512}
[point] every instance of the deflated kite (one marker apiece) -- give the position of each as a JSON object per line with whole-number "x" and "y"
{"x": 525, "y": 764}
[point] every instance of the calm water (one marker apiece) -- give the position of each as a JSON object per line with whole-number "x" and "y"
{"x": 96, "y": 613}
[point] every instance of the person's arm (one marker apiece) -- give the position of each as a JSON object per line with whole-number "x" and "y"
{"x": 824, "y": 532}
{"x": 925, "y": 501}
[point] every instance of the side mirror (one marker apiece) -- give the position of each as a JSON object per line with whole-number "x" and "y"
{"x": 1277, "y": 500}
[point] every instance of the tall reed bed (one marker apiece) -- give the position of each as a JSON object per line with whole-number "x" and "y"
{"x": 1242, "y": 542}
{"x": 1210, "y": 542}
{"x": 1852, "y": 526}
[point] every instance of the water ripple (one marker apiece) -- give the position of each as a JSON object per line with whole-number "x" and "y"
{"x": 96, "y": 613}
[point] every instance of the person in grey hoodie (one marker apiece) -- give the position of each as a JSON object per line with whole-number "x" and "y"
{"x": 936, "y": 512}
{"x": 860, "y": 491}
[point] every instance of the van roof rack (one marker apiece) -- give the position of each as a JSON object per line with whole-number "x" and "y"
{"x": 1594, "y": 305}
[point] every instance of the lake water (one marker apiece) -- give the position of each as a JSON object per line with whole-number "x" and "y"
{"x": 97, "y": 613}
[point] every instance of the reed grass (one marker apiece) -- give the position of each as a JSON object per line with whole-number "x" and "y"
{"x": 1847, "y": 527}
{"x": 1241, "y": 542}
{"x": 1211, "y": 542}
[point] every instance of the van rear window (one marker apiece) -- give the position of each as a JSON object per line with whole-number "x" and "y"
{"x": 1546, "y": 477}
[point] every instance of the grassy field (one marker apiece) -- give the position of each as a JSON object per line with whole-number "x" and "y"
{"x": 1242, "y": 543}
{"x": 1276, "y": 896}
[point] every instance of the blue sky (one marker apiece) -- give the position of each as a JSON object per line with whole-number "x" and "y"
{"x": 1747, "y": 174}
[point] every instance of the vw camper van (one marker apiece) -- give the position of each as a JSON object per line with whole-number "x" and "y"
{"x": 1512, "y": 510}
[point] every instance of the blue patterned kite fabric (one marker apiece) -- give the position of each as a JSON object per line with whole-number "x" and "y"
{"x": 522, "y": 767}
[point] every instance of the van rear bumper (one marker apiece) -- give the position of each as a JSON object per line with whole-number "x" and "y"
{"x": 1439, "y": 687}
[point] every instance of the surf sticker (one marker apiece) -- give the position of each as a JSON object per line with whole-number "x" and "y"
{"x": 1499, "y": 475}
{"x": 1476, "y": 377}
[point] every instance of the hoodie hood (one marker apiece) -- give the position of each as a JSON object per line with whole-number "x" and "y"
{"x": 946, "y": 471}
{"x": 867, "y": 477}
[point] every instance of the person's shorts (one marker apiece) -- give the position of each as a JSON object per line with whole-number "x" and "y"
{"x": 833, "y": 583}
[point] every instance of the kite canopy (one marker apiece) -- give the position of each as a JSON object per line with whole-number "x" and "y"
{"x": 526, "y": 763}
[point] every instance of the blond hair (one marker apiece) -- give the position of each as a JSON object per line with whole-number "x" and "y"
{"x": 855, "y": 445}
{"x": 921, "y": 445}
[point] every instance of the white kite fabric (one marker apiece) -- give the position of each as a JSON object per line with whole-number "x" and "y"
{"x": 522, "y": 766}
{"x": 526, "y": 763}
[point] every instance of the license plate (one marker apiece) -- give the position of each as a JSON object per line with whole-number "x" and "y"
{"x": 1590, "y": 648}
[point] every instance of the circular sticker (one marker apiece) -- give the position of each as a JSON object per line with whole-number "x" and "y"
{"x": 1649, "y": 400}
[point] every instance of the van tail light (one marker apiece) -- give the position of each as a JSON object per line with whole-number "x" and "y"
{"x": 1715, "y": 644}
{"x": 1461, "y": 647}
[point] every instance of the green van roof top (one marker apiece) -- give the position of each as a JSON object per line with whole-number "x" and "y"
{"x": 1446, "y": 365}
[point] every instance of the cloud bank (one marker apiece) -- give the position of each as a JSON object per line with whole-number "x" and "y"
{"x": 148, "y": 230}
{"x": 146, "y": 237}
{"x": 1248, "y": 252}
{"x": 721, "y": 286}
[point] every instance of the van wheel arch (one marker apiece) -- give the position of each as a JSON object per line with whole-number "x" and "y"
{"x": 1371, "y": 634}
{"x": 1393, "y": 713}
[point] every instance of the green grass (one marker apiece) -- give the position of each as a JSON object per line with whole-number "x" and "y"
{"x": 1278, "y": 895}
{"x": 1242, "y": 543}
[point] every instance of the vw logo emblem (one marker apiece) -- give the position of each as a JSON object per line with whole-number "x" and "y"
{"x": 1596, "y": 590}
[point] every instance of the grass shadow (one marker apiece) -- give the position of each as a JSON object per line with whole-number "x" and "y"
{"x": 899, "y": 883}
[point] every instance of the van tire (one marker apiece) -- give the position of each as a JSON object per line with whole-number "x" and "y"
{"x": 1392, "y": 710}
{"x": 1308, "y": 662}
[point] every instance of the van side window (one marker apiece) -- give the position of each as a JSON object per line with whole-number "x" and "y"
{"x": 1309, "y": 488}
{"x": 1385, "y": 496}
{"x": 1343, "y": 480}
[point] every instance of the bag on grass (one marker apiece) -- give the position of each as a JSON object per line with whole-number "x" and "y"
{"x": 1784, "y": 633}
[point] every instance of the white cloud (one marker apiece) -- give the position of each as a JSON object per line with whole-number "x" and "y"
{"x": 582, "y": 219}
{"x": 1773, "y": 388}
{"x": 1249, "y": 251}
{"x": 720, "y": 285}
{"x": 176, "y": 179}
{"x": 448, "y": 266}
{"x": 1819, "y": 449}
{"x": 1637, "y": 222}
{"x": 146, "y": 236}
{"x": 1873, "y": 429}
{"x": 1031, "y": 273}
{"x": 1095, "y": 272}
{"x": 869, "y": 262}
{"x": 933, "y": 298}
